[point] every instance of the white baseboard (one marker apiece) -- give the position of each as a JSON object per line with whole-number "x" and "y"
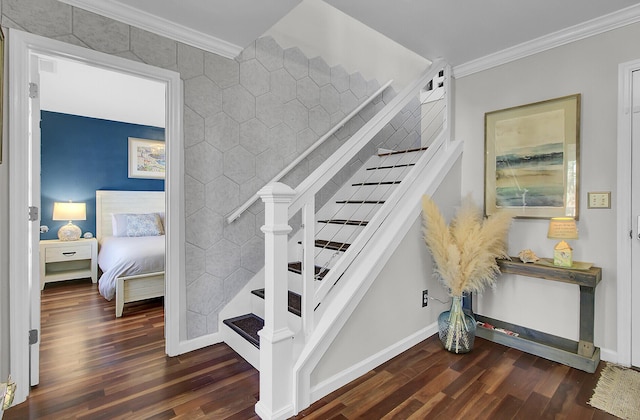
{"x": 282, "y": 414}
{"x": 342, "y": 378}
{"x": 199, "y": 342}
{"x": 609, "y": 355}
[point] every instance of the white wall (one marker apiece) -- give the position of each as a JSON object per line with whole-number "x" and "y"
{"x": 588, "y": 67}
{"x": 392, "y": 308}
{"x": 71, "y": 87}
{"x": 319, "y": 29}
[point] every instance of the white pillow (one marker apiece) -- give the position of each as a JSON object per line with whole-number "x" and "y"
{"x": 130, "y": 224}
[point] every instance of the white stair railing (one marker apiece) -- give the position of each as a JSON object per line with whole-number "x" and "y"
{"x": 307, "y": 190}
{"x": 280, "y": 396}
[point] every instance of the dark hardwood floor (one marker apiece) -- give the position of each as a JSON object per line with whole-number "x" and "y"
{"x": 95, "y": 366}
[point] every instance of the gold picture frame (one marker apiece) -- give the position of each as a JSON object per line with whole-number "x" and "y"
{"x": 147, "y": 158}
{"x": 532, "y": 159}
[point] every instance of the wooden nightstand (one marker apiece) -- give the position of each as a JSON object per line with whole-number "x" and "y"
{"x": 67, "y": 260}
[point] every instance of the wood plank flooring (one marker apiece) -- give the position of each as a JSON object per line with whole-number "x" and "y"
{"x": 94, "y": 366}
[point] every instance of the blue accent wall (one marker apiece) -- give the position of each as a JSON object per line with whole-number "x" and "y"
{"x": 80, "y": 155}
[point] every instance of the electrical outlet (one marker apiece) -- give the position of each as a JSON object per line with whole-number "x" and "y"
{"x": 425, "y": 298}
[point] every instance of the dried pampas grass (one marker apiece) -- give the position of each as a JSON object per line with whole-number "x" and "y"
{"x": 465, "y": 252}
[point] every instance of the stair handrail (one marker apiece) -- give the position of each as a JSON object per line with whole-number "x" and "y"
{"x": 330, "y": 167}
{"x": 233, "y": 216}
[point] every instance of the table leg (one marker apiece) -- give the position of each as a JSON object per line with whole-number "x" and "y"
{"x": 587, "y": 313}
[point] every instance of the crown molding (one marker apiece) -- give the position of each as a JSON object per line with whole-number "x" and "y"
{"x": 157, "y": 25}
{"x": 592, "y": 27}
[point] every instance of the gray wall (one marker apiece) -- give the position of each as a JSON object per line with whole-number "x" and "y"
{"x": 244, "y": 120}
{"x": 589, "y": 67}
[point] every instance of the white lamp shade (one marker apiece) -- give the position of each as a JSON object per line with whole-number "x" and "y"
{"x": 69, "y": 211}
{"x": 562, "y": 228}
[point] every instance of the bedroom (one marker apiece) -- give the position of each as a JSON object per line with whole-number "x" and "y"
{"x": 85, "y": 146}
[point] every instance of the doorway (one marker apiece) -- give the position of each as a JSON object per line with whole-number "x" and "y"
{"x": 24, "y": 48}
{"x": 628, "y": 213}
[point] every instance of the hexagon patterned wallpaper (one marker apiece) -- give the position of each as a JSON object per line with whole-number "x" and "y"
{"x": 244, "y": 120}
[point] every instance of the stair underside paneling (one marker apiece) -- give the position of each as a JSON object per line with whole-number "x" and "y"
{"x": 294, "y": 302}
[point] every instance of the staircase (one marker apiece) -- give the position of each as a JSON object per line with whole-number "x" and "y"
{"x": 332, "y": 260}
{"x": 339, "y": 223}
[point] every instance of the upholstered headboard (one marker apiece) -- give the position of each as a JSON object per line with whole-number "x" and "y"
{"x": 113, "y": 202}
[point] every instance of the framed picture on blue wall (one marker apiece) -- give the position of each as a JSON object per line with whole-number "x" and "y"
{"x": 146, "y": 158}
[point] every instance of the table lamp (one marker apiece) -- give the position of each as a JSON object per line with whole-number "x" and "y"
{"x": 562, "y": 228}
{"x": 69, "y": 211}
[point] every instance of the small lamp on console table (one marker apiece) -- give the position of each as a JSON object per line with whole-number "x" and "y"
{"x": 69, "y": 211}
{"x": 562, "y": 228}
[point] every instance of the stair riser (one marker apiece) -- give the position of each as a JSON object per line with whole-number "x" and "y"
{"x": 391, "y": 174}
{"x": 295, "y": 282}
{"x": 351, "y": 211}
{"x": 405, "y": 139}
{"x": 325, "y": 256}
{"x": 402, "y": 158}
{"x": 338, "y": 233}
{"x": 241, "y": 346}
{"x": 370, "y": 192}
{"x": 257, "y": 307}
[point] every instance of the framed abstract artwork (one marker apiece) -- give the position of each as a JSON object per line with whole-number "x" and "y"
{"x": 532, "y": 159}
{"x": 146, "y": 158}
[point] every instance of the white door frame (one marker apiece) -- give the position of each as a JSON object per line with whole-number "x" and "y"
{"x": 624, "y": 216}
{"x": 22, "y": 46}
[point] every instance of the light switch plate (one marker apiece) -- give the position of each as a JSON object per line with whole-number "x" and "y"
{"x": 599, "y": 200}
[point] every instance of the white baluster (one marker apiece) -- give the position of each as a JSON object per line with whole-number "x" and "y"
{"x": 308, "y": 266}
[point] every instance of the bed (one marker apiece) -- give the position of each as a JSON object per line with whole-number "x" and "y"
{"x": 132, "y": 267}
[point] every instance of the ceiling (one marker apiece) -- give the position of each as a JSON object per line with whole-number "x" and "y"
{"x": 460, "y": 31}
{"x": 70, "y": 87}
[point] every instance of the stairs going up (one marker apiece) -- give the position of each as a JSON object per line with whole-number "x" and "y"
{"x": 338, "y": 224}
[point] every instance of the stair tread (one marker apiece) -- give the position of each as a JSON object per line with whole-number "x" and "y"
{"x": 345, "y": 222}
{"x": 360, "y": 184}
{"x": 360, "y": 202}
{"x": 294, "y": 301}
{"x": 247, "y": 326}
{"x": 404, "y": 165}
{"x": 336, "y": 246}
{"x": 397, "y": 152}
{"x": 296, "y": 267}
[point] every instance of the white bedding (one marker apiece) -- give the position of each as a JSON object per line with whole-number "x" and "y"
{"x": 128, "y": 256}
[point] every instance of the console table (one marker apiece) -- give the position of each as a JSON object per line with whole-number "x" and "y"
{"x": 580, "y": 354}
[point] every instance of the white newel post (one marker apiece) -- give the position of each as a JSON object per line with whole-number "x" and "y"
{"x": 276, "y": 339}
